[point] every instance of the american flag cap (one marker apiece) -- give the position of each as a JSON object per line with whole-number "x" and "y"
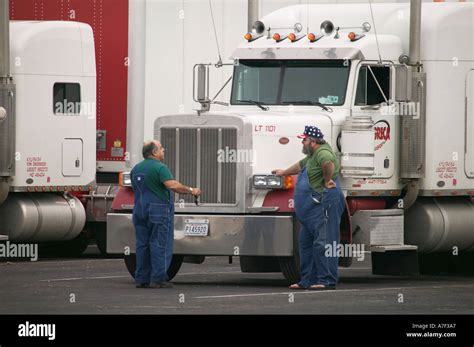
{"x": 311, "y": 131}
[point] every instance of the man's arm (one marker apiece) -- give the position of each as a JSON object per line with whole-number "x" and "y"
{"x": 328, "y": 172}
{"x": 292, "y": 170}
{"x": 177, "y": 187}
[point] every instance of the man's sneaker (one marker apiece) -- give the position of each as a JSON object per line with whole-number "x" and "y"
{"x": 161, "y": 285}
{"x": 143, "y": 285}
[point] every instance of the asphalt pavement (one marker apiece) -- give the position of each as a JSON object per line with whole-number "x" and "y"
{"x": 96, "y": 285}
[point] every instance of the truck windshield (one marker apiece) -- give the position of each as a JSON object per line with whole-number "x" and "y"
{"x": 282, "y": 82}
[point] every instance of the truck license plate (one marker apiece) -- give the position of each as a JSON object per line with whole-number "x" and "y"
{"x": 196, "y": 227}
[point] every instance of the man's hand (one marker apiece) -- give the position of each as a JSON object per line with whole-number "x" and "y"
{"x": 330, "y": 184}
{"x": 196, "y": 191}
{"x": 278, "y": 172}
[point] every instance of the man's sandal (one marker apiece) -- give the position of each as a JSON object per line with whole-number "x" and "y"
{"x": 296, "y": 286}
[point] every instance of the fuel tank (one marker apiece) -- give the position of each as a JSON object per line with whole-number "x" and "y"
{"x": 41, "y": 217}
{"x": 440, "y": 224}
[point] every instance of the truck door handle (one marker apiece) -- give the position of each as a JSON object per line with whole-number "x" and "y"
{"x": 78, "y": 162}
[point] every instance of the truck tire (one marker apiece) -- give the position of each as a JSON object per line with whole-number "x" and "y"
{"x": 65, "y": 249}
{"x": 259, "y": 264}
{"x": 99, "y": 231}
{"x": 131, "y": 264}
{"x": 290, "y": 267}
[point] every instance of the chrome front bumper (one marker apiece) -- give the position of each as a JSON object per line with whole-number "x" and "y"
{"x": 229, "y": 235}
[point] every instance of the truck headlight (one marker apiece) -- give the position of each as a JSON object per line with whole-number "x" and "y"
{"x": 259, "y": 181}
{"x": 125, "y": 179}
{"x": 267, "y": 182}
{"x": 274, "y": 181}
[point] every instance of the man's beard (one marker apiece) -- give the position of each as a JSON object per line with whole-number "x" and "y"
{"x": 307, "y": 150}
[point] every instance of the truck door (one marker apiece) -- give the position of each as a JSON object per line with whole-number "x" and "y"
{"x": 374, "y": 89}
{"x": 469, "y": 139}
{"x": 72, "y": 157}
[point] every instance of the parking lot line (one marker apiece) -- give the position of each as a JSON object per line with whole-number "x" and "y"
{"x": 105, "y": 277}
{"x": 80, "y": 278}
{"x": 328, "y": 291}
{"x": 210, "y": 273}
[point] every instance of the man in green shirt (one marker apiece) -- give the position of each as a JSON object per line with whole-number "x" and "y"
{"x": 319, "y": 204}
{"x": 153, "y": 216}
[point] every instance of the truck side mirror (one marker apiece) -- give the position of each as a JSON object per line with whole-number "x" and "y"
{"x": 201, "y": 90}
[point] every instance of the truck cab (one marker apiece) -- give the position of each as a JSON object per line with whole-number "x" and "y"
{"x": 49, "y": 130}
{"x": 325, "y": 65}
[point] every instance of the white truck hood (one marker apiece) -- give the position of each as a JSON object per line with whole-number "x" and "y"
{"x": 274, "y": 137}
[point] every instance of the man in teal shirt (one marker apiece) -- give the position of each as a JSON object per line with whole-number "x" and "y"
{"x": 153, "y": 216}
{"x": 319, "y": 204}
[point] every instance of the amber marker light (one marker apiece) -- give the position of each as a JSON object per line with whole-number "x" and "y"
{"x": 289, "y": 182}
{"x": 276, "y": 37}
{"x": 311, "y": 37}
{"x": 351, "y": 36}
{"x": 292, "y": 37}
{"x": 248, "y": 36}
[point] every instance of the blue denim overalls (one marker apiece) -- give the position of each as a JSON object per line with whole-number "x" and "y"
{"x": 154, "y": 228}
{"x": 320, "y": 217}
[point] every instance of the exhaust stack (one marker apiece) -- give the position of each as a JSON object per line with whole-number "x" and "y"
{"x": 253, "y": 9}
{"x": 4, "y": 41}
{"x": 413, "y": 128}
{"x": 415, "y": 32}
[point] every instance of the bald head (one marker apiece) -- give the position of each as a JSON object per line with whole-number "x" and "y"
{"x": 151, "y": 149}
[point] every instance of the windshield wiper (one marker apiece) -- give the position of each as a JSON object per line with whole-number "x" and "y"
{"x": 256, "y": 103}
{"x": 308, "y": 102}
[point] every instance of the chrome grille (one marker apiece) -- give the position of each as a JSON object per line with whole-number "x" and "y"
{"x": 192, "y": 156}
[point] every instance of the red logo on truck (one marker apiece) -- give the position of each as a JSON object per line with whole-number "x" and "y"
{"x": 382, "y": 133}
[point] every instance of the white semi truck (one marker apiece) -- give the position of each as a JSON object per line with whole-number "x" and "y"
{"x": 63, "y": 117}
{"x": 47, "y": 127}
{"x": 392, "y": 88}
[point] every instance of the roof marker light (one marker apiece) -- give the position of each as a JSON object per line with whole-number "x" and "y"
{"x": 252, "y": 37}
{"x": 354, "y": 37}
{"x": 313, "y": 38}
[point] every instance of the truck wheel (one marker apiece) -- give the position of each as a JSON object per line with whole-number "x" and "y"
{"x": 344, "y": 261}
{"x": 290, "y": 267}
{"x": 100, "y": 235}
{"x": 65, "y": 249}
{"x": 131, "y": 264}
